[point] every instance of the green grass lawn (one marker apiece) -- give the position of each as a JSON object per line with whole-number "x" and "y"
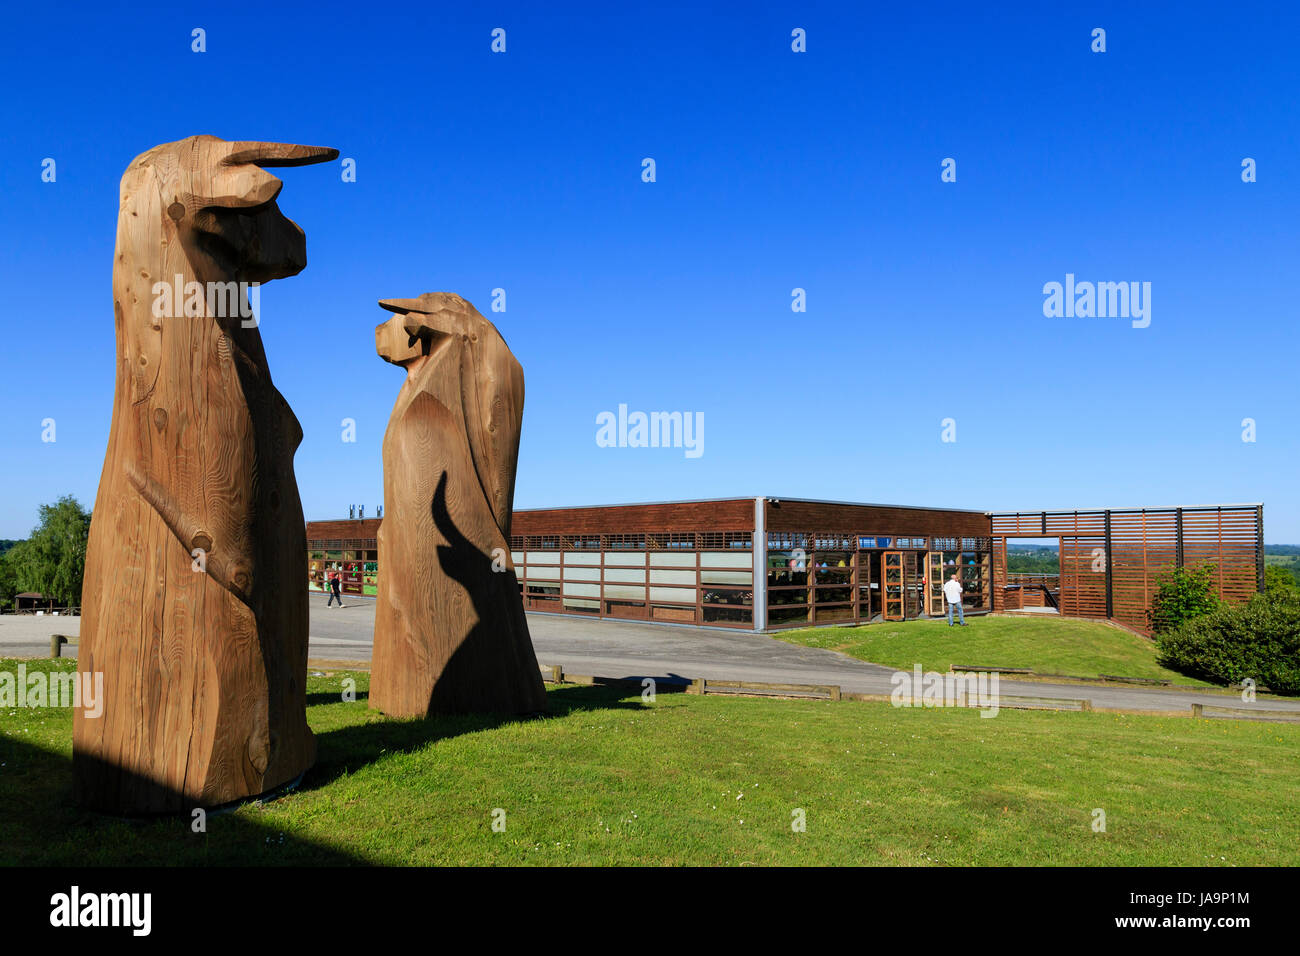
{"x": 608, "y": 779}
{"x": 1049, "y": 646}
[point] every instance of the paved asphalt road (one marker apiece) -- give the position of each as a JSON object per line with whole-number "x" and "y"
{"x": 629, "y": 649}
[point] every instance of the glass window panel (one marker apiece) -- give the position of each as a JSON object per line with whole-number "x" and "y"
{"x": 658, "y": 576}
{"x": 672, "y": 559}
{"x": 736, "y": 615}
{"x": 582, "y": 557}
{"x": 796, "y": 560}
{"x": 833, "y": 575}
{"x": 685, "y": 595}
{"x": 581, "y": 590}
{"x": 777, "y": 598}
{"x": 624, "y": 591}
{"x": 625, "y": 558}
{"x": 727, "y": 559}
{"x": 787, "y": 615}
{"x": 726, "y": 577}
{"x": 625, "y": 574}
{"x": 784, "y": 577}
{"x": 582, "y": 574}
{"x": 543, "y": 557}
{"x": 727, "y": 596}
{"x": 833, "y": 559}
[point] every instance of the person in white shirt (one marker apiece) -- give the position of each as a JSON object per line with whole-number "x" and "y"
{"x": 952, "y": 595}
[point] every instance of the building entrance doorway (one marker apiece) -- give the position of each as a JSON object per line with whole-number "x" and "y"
{"x": 894, "y": 595}
{"x": 934, "y": 583}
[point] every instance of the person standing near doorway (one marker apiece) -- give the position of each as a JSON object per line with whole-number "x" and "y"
{"x": 952, "y": 595}
{"x": 335, "y": 589}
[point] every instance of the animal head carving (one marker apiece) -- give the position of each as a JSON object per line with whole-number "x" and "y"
{"x": 422, "y": 326}
{"x": 217, "y": 197}
{"x": 442, "y": 335}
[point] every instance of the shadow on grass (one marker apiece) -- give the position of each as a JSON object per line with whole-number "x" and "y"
{"x": 347, "y": 749}
{"x": 333, "y": 697}
{"x": 41, "y": 826}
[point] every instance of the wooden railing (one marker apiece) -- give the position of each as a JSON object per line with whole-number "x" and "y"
{"x": 1050, "y": 580}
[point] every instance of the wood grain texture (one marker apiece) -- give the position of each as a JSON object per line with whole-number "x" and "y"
{"x": 450, "y": 631}
{"x": 204, "y": 670}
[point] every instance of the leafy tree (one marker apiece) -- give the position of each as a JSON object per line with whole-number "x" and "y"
{"x": 1183, "y": 594}
{"x": 8, "y": 576}
{"x": 1279, "y": 579}
{"x": 53, "y": 560}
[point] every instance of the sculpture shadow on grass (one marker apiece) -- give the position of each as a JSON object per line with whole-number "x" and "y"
{"x": 332, "y": 697}
{"x": 42, "y": 826}
{"x": 348, "y": 749}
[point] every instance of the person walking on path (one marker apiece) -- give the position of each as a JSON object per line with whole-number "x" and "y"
{"x": 952, "y": 595}
{"x": 335, "y": 589}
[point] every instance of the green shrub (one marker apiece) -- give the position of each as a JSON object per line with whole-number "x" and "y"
{"x": 1259, "y": 639}
{"x": 1183, "y": 594}
{"x": 1277, "y": 578}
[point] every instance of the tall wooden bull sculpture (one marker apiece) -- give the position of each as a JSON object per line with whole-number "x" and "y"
{"x": 450, "y": 631}
{"x": 195, "y": 600}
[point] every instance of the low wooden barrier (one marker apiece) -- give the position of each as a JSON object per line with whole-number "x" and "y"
{"x": 1245, "y": 713}
{"x": 762, "y": 689}
{"x": 1018, "y": 702}
{"x": 555, "y": 674}
{"x": 1100, "y": 679}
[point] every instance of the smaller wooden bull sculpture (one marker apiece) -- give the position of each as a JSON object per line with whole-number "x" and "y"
{"x": 450, "y": 631}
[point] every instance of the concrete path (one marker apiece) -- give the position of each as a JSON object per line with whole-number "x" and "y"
{"x": 632, "y": 649}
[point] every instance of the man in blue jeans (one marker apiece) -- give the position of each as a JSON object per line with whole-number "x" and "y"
{"x": 952, "y": 595}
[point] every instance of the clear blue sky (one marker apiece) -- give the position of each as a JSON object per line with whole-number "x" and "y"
{"x": 775, "y": 170}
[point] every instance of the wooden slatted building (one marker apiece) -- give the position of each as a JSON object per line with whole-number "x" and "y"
{"x": 1111, "y": 558}
{"x": 768, "y": 563}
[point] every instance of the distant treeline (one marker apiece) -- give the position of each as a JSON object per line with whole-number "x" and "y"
{"x": 1043, "y": 559}
{"x": 1033, "y": 558}
{"x": 52, "y": 562}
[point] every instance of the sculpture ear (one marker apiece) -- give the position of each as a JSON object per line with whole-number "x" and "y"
{"x": 239, "y": 182}
{"x": 419, "y": 322}
{"x": 277, "y": 154}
